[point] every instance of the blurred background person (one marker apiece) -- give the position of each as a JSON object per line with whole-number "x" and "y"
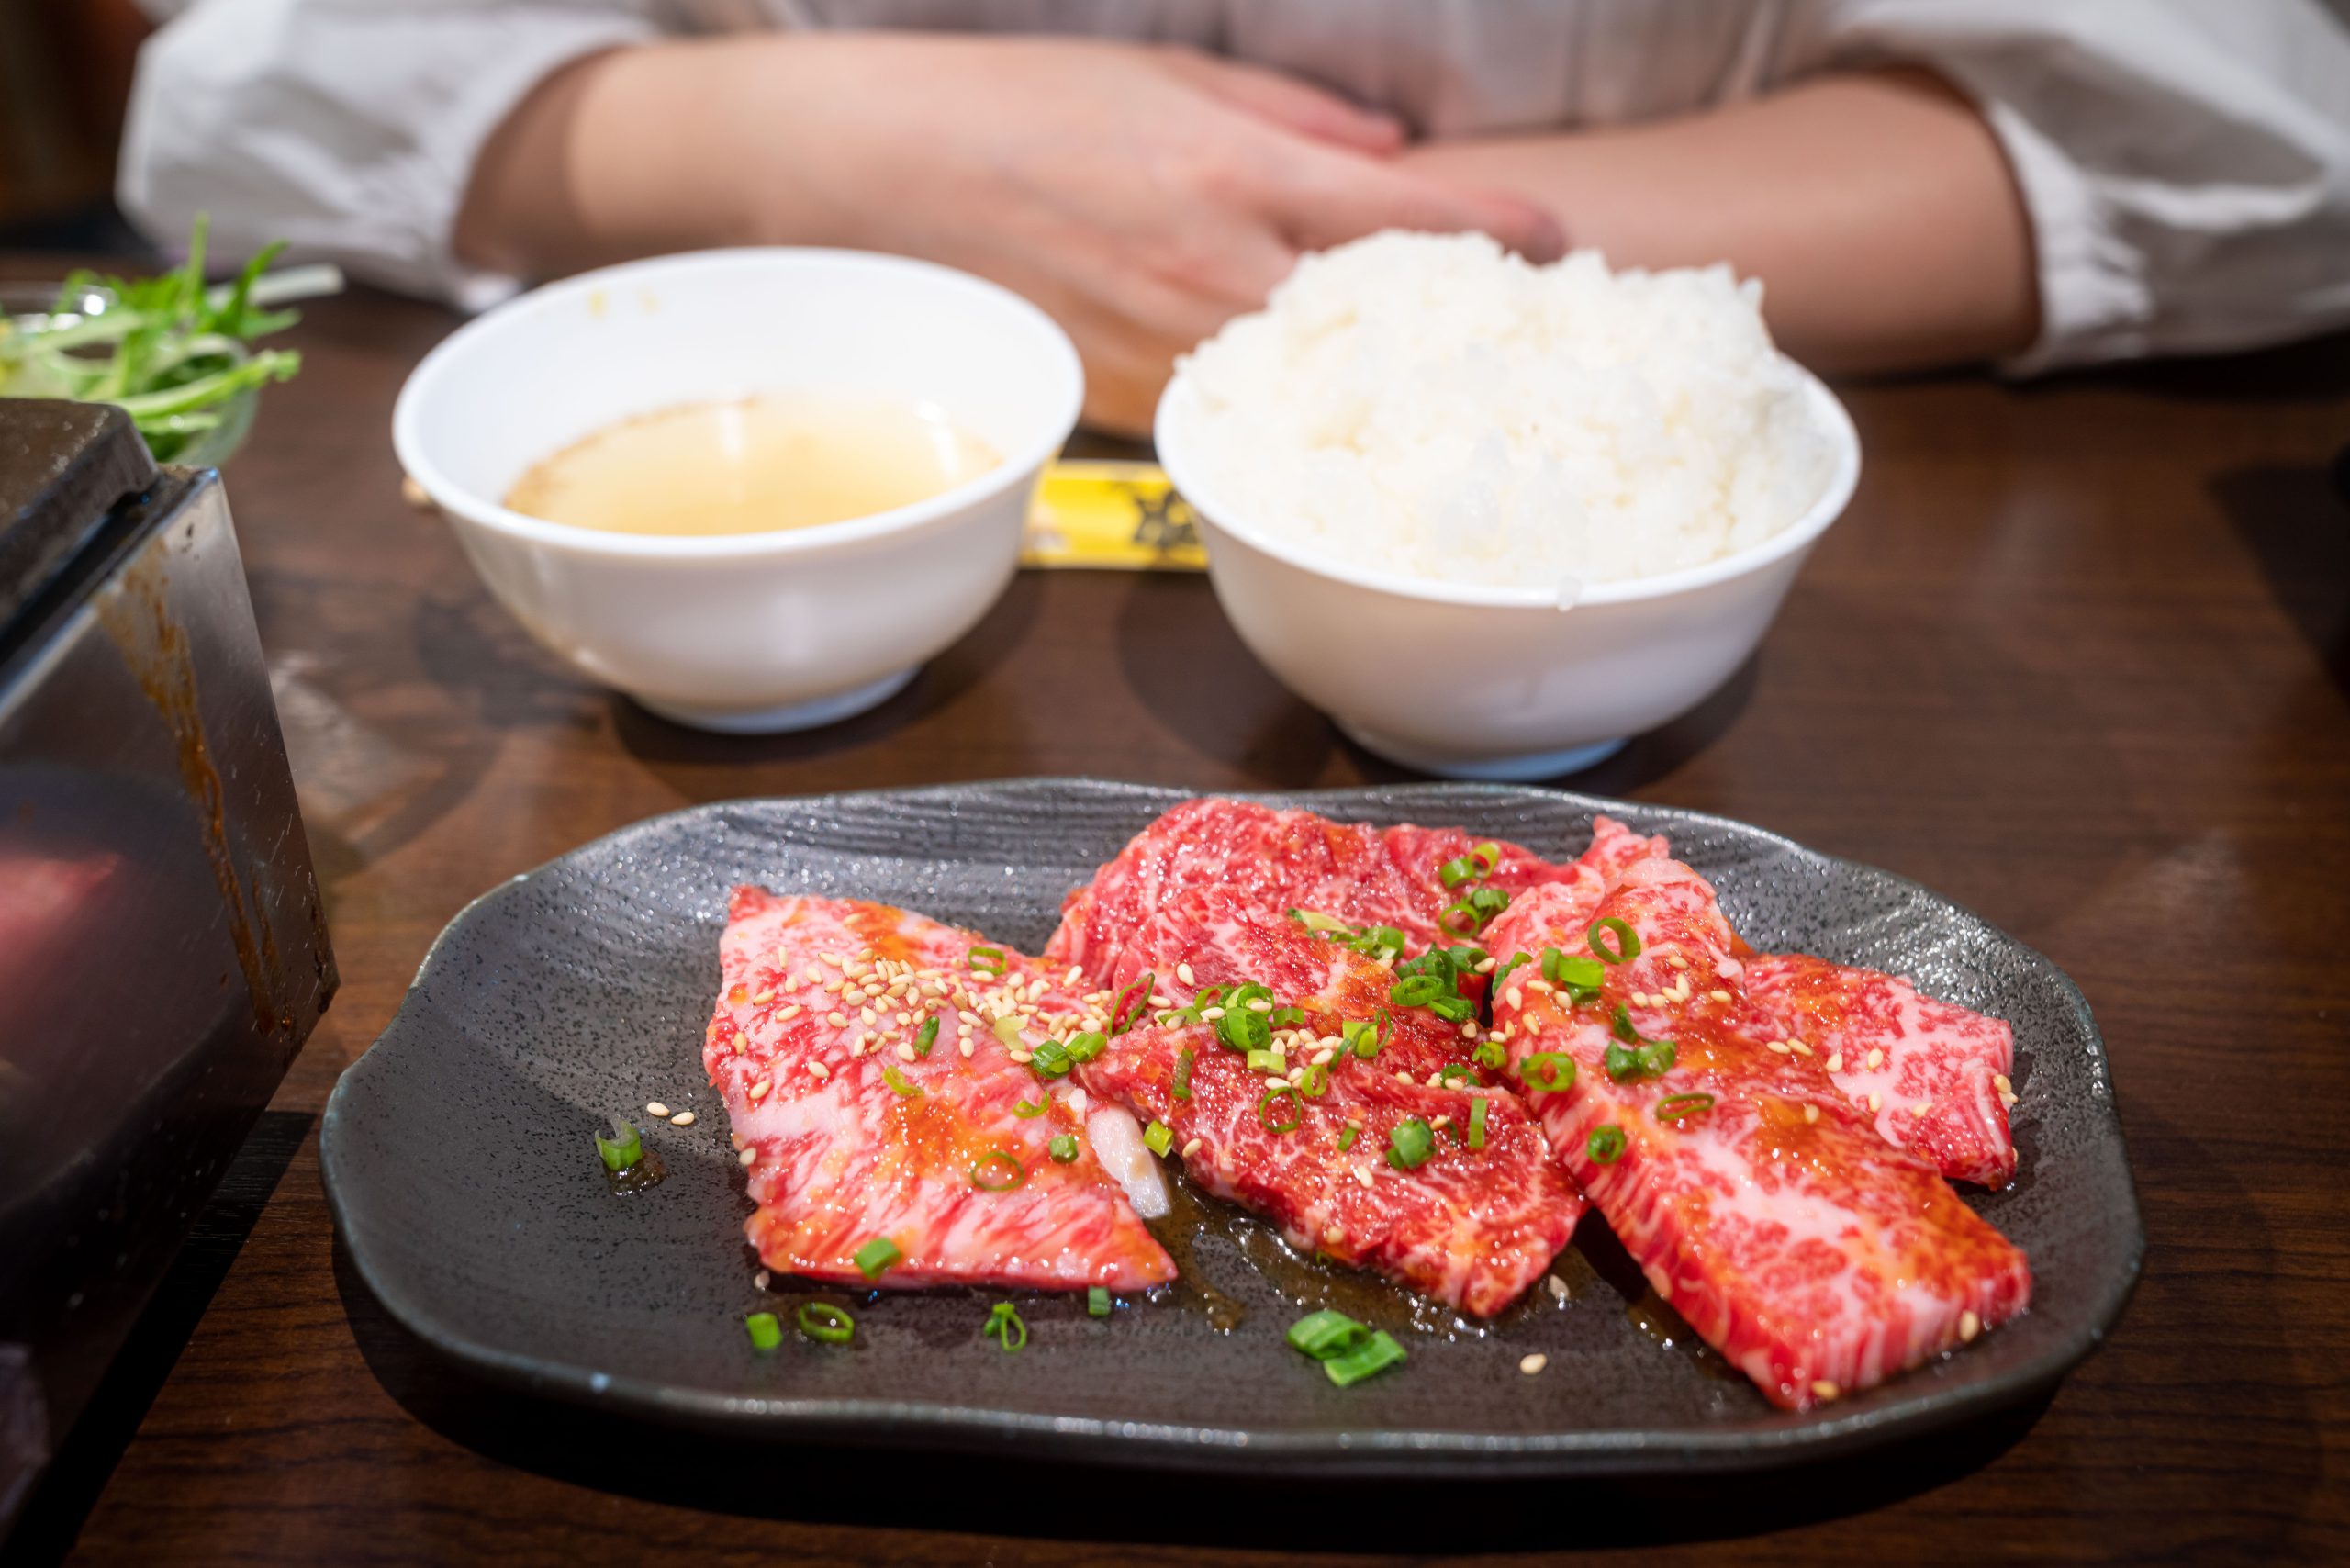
{"x": 2039, "y": 182}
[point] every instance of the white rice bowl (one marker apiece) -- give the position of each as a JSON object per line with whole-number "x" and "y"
{"x": 1433, "y": 406}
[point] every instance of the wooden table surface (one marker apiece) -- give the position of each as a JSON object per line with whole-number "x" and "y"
{"x": 2078, "y": 658}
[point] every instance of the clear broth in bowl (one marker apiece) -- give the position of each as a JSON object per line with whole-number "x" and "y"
{"x": 752, "y": 466}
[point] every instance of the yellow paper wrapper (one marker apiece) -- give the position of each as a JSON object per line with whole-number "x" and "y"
{"x": 1122, "y": 516}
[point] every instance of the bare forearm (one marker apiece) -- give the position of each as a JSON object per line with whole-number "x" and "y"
{"x": 1877, "y": 209}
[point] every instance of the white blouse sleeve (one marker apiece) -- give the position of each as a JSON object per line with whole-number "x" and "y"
{"x": 2185, "y": 163}
{"x": 346, "y": 127}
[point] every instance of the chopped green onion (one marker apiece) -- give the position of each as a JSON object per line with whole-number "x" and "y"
{"x": 1242, "y": 1029}
{"x": 1489, "y": 1054}
{"x": 1453, "y": 1009}
{"x": 1347, "y": 1137}
{"x": 1003, "y": 1324}
{"x": 1456, "y": 1072}
{"x": 1620, "y": 1026}
{"x": 1087, "y": 1044}
{"x": 1477, "y": 1121}
{"x": 1063, "y": 1148}
{"x": 1474, "y": 913}
{"x": 1267, "y": 1061}
{"x": 1006, "y": 1030}
{"x": 1249, "y": 992}
{"x": 898, "y": 1081}
{"x": 1314, "y": 920}
{"x": 1459, "y": 870}
{"x": 1501, "y": 973}
{"x": 875, "y": 1256}
{"x": 1374, "y": 940}
{"x": 765, "y": 1331}
{"x": 1489, "y": 856}
{"x": 1182, "y": 1084}
{"x": 1605, "y": 1144}
{"x": 1576, "y": 972}
{"x": 1286, "y": 1121}
{"x": 1657, "y": 1057}
{"x": 1416, "y": 990}
{"x": 1286, "y": 1017}
{"x": 620, "y": 1153}
{"x": 1551, "y": 1073}
{"x": 1158, "y": 1137}
{"x": 1654, "y": 1059}
{"x": 927, "y": 1036}
{"x": 1097, "y": 1301}
{"x": 1050, "y": 1060}
{"x": 996, "y": 1172}
{"x": 1409, "y": 1146}
{"x": 1325, "y": 1334}
{"x": 1356, "y": 1036}
{"x": 1028, "y": 1108}
{"x": 988, "y": 961}
{"x": 1628, "y": 941}
{"x": 1138, "y": 995}
{"x": 1680, "y": 1107}
{"x": 823, "y": 1322}
{"x": 1623, "y": 1066}
{"x": 1375, "y": 1355}
{"x": 1314, "y": 1082}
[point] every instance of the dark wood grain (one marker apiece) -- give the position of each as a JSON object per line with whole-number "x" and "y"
{"x": 2078, "y": 658}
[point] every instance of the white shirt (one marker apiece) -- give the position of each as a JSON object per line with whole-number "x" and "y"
{"x": 2186, "y": 162}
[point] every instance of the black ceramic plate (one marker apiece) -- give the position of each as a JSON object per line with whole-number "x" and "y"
{"x": 458, "y": 1159}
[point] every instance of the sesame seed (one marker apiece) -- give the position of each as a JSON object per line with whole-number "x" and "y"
{"x": 1210, "y": 1014}
{"x": 761, "y": 1279}
{"x": 1191, "y": 1148}
{"x": 1438, "y": 1123}
{"x": 654, "y": 1108}
{"x": 1825, "y": 1389}
{"x": 1533, "y": 1023}
{"x": 1259, "y": 1005}
{"x": 1558, "y": 1287}
{"x": 740, "y": 1045}
{"x": 867, "y": 1016}
{"x": 855, "y": 1049}
{"x": 759, "y": 1090}
{"x": 761, "y": 998}
{"x": 1801, "y": 1050}
{"x": 1486, "y": 967}
{"x": 789, "y": 1014}
{"x": 1676, "y": 960}
{"x": 1023, "y": 1057}
{"x": 1468, "y": 1030}
{"x": 1183, "y": 973}
{"x": 1836, "y": 1062}
{"x": 1778, "y": 1047}
{"x": 682, "y": 1119}
{"x": 1719, "y": 995}
{"x": 1969, "y": 1325}
{"x": 1875, "y": 1059}
{"x": 747, "y": 1155}
{"x": 1321, "y": 1057}
{"x": 812, "y": 973}
{"x": 816, "y": 1070}
{"x": 1516, "y": 997}
{"x": 1167, "y": 1002}
{"x": 1999, "y": 1082}
{"x": 905, "y": 1050}
{"x": 1533, "y": 1363}
{"x": 964, "y": 1045}
{"x": 1639, "y": 998}
{"x": 1362, "y": 1174}
{"x": 1403, "y": 1077}
{"x": 1922, "y": 1107}
{"x": 832, "y": 959}
{"x": 1075, "y": 974}
{"x": 1876, "y": 1102}
{"x": 2008, "y": 1102}
{"x": 837, "y": 1019}
{"x": 1811, "y": 1113}
{"x": 1540, "y": 985}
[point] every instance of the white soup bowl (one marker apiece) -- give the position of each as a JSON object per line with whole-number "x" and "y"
{"x": 752, "y": 632}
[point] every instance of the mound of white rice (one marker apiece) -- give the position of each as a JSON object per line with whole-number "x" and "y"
{"x": 1434, "y": 406}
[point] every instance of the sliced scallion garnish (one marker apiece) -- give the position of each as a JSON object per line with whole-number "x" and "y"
{"x": 1158, "y": 1137}
{"x": 765, "y": 1331}
{"x": 620, "y": 1153}
{"x": 1628, "y": 941}
{"x": 1551, "y": 1072}
{"x": 1325, "y": 1334}
{"x": 1373, "y": 1356}
{"x": 1681, "y": 1107}
{"x": 1028, "y": 1108}
{"x": 825, "y": 1323}
{"x": 1605, "y": 1144}
{"x": 988, "y": 961}
{"x": 899, "y": 1083}
{"x": 1063, "y": 1148}
{"x": 927, "y": 1036}
{"x": 1004, "y": 1325}
{"x": 876, "y": 1257}
{"x": 1286, "y": 1120}
{"x": 1097, "y": 1301}
{"x": 1410, "y": 1144}
{"x": 996, "y": 1172}
{"x": 1477, "y": 1121}
{"x": 1182, "y": 1086}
